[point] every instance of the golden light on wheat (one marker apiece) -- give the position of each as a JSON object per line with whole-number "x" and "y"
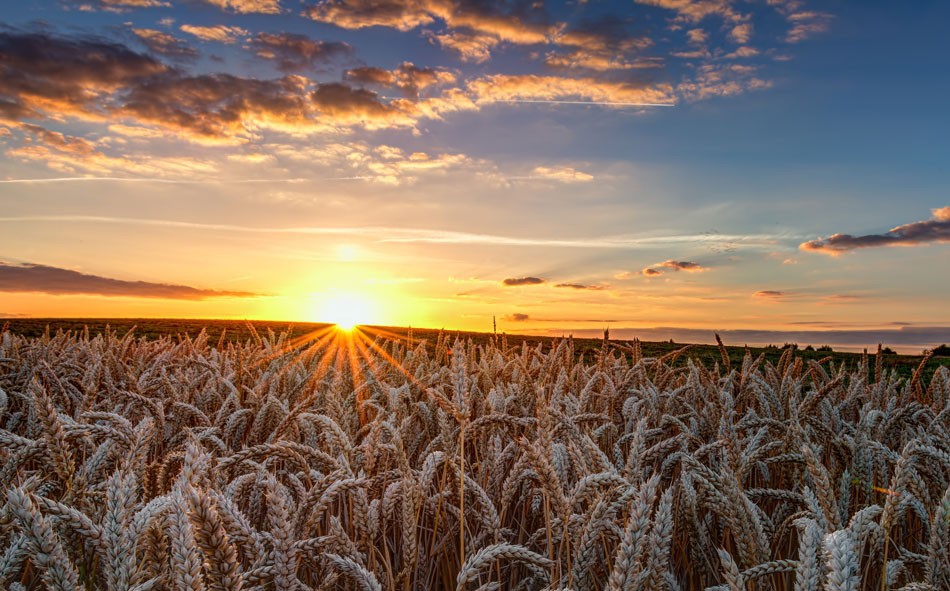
{"x": 359, "y": 460}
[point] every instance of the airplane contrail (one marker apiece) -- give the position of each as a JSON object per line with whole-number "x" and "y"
{"x": 565, "y": 102}
{"x": 402, "y": 235}
{"x": 552, "y": 102}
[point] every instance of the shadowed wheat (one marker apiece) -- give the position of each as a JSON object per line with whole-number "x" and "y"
{"x": 354, "y": 463}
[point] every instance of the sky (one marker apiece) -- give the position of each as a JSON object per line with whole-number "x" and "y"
{"x": 775, "y": 170}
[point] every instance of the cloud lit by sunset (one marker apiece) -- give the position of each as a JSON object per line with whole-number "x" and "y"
{"x": 555, "y": 167}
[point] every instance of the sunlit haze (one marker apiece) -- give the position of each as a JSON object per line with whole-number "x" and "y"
{"x": 773, "y": 171}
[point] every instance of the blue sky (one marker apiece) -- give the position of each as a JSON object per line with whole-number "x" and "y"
{"x": 651, "y": 163}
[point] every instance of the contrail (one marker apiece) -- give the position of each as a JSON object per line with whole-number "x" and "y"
{"x": 560, "y": 102}
{"x": 396, "y": 235}
{"x": 550, "y": 102}
{"x": 119, "y": 179}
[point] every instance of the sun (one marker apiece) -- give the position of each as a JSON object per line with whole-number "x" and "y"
{"x": 346, "y": 310}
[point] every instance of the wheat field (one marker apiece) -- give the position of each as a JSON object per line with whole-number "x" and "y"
{"x": 354, "y": 462}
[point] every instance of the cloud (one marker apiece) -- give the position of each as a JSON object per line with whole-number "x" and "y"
{"x": 516, "y": 317}
{"x": 471, "y": 47}
{"x": 72, "y": 145}
{"x": 561, "y": 174}
{"x": 770, "y": 293}
{"x": 219, "y": 33}
{"x": 56, "y": 77}
{"x": 216, "y": 105}
{"x": 807, "y": 24}
{"x": 407, "y": 78}
{"x": 30, "y": 277}
{"x": 247, "y": 6}
{"x": 601, "y": 45}
{"x": 682, "y": 266}
{"x": 936, "y": 229}
{"x": 588, "y": 59}
{"x": 656, "y": 270}
{"x": 581, "y": 286}
{"x": 496, "y": 19}
{"x": 75, "y": 155}
{"x": 741, "y": 33}
{"x": 515, "y": 281}
{"x": 694, "y": 11}
{"x": 65, "y": 76}
{"x": 360, "y": 14}
{"x": 165, "y": 44}
{"x": 121, "y": 5}
{"x": 697, "y": 36}
{"x": 504, "y": 87}
{"x": 295, "y": 53}
{"x": 722, "y": 80}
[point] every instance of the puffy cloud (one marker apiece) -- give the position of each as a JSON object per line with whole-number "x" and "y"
{"x": 407, "y": 78}
{"x": 696, "y": 10}
{"x": 165, "y": 44}
{"x": 936, "y": 229}
{"x": 31, "y": 277}
{"x": 65, "y": 76}
{"x": 651, "y": 272}
{"x": 744, "y": 51}
{"x": 741, "y": 33}
{"x": 806, "y": 24}
{"x": 219, "y": 33}
{"x": 717, "y": 80}
{"x": 697, "y": 36}
{"x": 486, "y": 18}
{"x": 359, "y": 14}
{"x": 55, "y": 77}
{"x": 355, "y": 106}
{"x": 515, "y": 281}
{"x": 247, "y": 6}
{"x": 471, "y": 47}
{"x": 216, "y": 105}
{"x": 294, "y": 53}
{"x": 503, "y": 87}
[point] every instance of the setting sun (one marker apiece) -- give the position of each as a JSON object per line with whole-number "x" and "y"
{"x": 346, "y": 310}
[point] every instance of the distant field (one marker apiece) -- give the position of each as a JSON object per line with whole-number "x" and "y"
{"x": 239, "y": 331}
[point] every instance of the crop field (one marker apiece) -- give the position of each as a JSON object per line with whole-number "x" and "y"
{"x": 365, "y": 460}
